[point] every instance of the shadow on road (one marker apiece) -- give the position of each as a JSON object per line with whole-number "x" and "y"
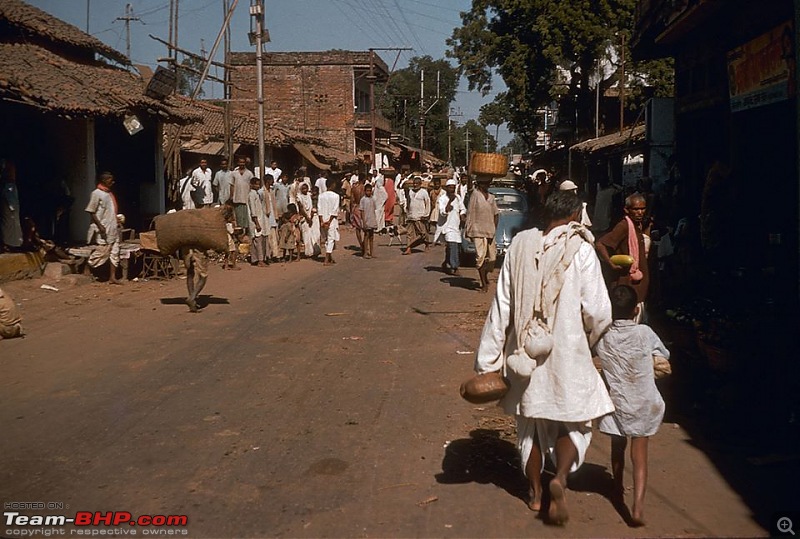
{"x": 466, "y": 283}
{"x": 202, "y": 301}
{"x": 484, "y": 458}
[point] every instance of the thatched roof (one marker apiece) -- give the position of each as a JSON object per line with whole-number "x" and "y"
{"x": 614, "y": 140}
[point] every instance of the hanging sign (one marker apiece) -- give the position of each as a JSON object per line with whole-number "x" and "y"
{"x": 762, "y": 71}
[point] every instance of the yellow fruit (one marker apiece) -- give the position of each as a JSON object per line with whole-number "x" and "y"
{"x": 622, "y": 260}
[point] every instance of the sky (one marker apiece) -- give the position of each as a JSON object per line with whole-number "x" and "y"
{"x": 294, "y": 25}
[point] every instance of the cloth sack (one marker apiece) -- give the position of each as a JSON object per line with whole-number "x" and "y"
{"x": 199, "y": 229}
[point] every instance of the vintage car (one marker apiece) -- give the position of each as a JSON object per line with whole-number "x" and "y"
{"x": 514, "y": 216}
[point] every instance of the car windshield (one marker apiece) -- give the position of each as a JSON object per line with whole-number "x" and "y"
{"x": 510, "y": 202}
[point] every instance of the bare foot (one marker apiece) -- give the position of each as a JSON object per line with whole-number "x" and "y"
{"x": 557, "y": 514}
{"x": 637, "y": 517}
{"x": 192, "y": 305}
{"x": 235, "y": 268}
{"x": 534, "y": 501}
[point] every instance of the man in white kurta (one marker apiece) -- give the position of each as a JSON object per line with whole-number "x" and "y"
{"x": 201, "y": 179}
{"x": 104, "y": 230}
{"x": 328, "y": 208}
{"x": 555, "y": 395}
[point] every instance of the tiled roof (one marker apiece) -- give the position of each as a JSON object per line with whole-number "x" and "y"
{"x": 244, "y": 129}
{"x": 35, "y": 76}
{"x": 29, "y": 21}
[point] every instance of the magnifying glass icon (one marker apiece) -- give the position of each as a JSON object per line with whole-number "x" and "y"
{"x": 785, "y": 525}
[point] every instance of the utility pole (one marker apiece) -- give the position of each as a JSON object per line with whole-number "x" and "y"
{"x": 466, "y": 127}
{"x": 226, "y": 91}
{"x": 622, "y": 88}
{"x": 257, "y": 12}
{"x": 372, "y": 79}
{"x": 127, "y": 18}
{"x": 421, "y": 113}
{"x": 449, "y": 137}
{"x": 422, "y": 110}
{"x": 88, "y": 3}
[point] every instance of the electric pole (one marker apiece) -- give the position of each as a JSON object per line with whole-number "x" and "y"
{"x": 257, "y": 12}
{"x": 372, "y": 78}
{"x": 466, "y": 127}
{"x": 127, "y": 18}
{"x": 449, "y": 136}
{"x": 622, "y": 88}
{"x": 226, "y": 91}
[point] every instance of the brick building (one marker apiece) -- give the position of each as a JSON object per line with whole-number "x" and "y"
{"x": 322, "y": 94}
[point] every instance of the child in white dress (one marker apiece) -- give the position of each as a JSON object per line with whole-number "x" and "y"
{"x": 627, "y": 351}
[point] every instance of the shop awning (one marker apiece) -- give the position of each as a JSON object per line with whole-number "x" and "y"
{"x": 614, "y": 140}
{"x": 309, "y": 156}
{"x": 206, "y": 148}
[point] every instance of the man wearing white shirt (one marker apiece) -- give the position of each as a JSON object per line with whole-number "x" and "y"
{"x": 452, "y": 210}
{"x": 222, "y": 182}
{"x": 201, "y": 180}
{"x": 419, "y": 210}
{"x": 328, "y": 209}
{"x": 273, "y": 171}
{"x": 322, "y": 182}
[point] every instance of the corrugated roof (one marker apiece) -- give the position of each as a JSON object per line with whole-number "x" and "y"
{"x": 31, "y": 21}
{"x": 636, "y": 134}
{"x": 38, "y": 77}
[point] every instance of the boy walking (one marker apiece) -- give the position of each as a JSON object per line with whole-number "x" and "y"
{"x": 627, "y": 352}
{"x": 369, "y": 222}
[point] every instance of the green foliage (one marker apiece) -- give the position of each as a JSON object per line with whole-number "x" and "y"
{"x": 546, "y": 49}
{"x": 399, "y": 101}
{"x": 187, "y": 78}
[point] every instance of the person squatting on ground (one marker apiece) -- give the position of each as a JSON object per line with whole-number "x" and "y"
{"x": 419, "y": 209}
{"x": 627, "y": 352}
{"x": 551, "y": 306}
{"x": 452, "y": 211}
{"x": 328, "y": 208}
{"x": 10, "y": 319}
{"x": 482, "y": 216}
{"x": 104, "y": 230}
{"x": 369, "y": 223}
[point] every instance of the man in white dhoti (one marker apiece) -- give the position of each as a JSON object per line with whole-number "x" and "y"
{"x": 328, "y": 208}
{"x": 550, "y": 308}
{"x": 305, "y": 206}
{"x": 104, "y": 230}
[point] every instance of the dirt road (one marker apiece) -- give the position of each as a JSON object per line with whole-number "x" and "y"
{"x": 302, "y": 401}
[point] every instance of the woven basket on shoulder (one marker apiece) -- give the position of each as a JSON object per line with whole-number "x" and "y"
{"x": 488, "y": 164}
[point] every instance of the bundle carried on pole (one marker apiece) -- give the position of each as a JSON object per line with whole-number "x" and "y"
{"x": 199, "y": 229}
{"x": 488, "y": 164}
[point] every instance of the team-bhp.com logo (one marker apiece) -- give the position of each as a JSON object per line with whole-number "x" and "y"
{"x": 95, "y": 519}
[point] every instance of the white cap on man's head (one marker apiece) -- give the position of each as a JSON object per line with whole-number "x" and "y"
{"x": 451, "y": 181}
{"x": 568, "y": 185}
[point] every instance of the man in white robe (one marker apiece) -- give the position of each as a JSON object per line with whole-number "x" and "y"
{"x": 328, "y": 208}
{"x": 555, "y": 389}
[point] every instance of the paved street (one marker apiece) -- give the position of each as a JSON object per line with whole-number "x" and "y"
{"x": 302, "y": 401}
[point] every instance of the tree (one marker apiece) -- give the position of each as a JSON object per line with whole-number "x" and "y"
{"x": 478, "y": 139}
{"x": 545, "y": 50}
{"x": 189, "y": 71}
{"x": 494, "y": 113}
{"x": 399, "y": 101}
